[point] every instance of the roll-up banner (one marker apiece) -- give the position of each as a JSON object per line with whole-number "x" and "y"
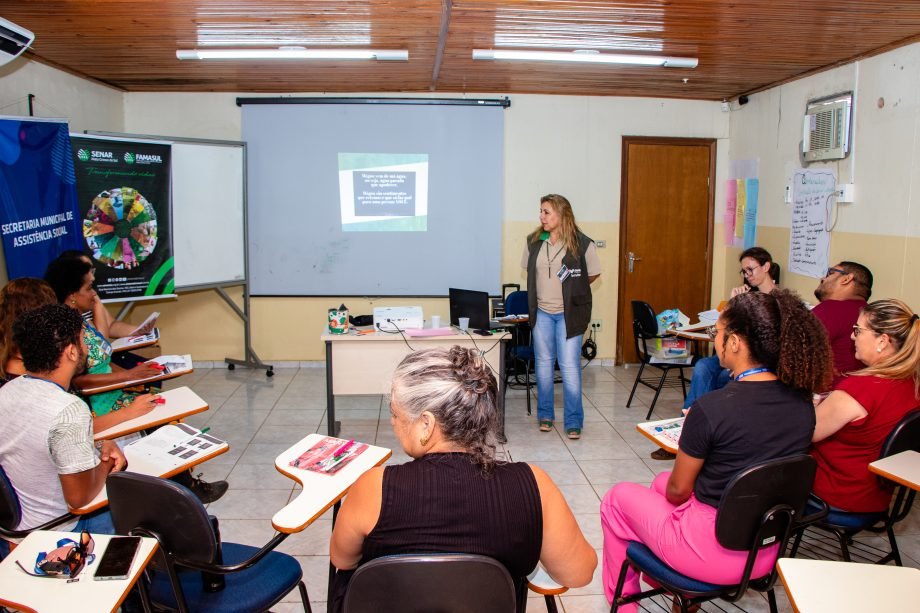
{"x": 38, "y": 202}
{"x": 123, "y": 195}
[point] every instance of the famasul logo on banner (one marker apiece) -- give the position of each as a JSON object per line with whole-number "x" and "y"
{"x": 129, "y": 157}
{"x": 83, "y": 154}
{"x": 148, "y": 158}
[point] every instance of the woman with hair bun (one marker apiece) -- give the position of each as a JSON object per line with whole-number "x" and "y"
{"x": 455, "y": 495}
{"x": 854, "y": 420}
{"x": 779, "y": 355}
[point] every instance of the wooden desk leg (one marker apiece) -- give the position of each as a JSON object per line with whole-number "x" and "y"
{"x": 332, "y": 425}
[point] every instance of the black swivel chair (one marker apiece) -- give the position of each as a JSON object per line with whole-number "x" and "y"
{"x": 645, "y": 329}
{"x": 844, "y": 525}
{"x": 195, "y": 571}
{"x": 11, "y": 512}
{"x": 758, "y": 509}
{"x": 446, "y": 583}
{"x": 521, "y": 348}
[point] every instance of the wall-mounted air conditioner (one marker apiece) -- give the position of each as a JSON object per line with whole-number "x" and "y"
{"x": 826, "y": 133}
{"x": 13, "y": 40}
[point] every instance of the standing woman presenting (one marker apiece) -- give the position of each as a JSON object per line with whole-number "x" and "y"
{"x": 561, "y": 264}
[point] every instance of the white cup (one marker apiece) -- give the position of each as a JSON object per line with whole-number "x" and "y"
{"x": 435, "y": 321}
{"x": 464, "y": 323}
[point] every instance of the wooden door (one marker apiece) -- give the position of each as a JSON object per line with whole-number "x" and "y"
{"x": 666, "y": 210}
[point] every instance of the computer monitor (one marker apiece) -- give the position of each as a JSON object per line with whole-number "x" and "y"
{"x": 469, "y": 303}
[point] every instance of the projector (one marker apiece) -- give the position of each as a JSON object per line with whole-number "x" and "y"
{"x": 398, "y": 318}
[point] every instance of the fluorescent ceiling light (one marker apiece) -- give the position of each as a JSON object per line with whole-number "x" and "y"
{"x": 585, "y": 56}
{"x": 293, "y": 53}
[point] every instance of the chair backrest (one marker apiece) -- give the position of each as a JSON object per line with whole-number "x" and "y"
{"x": 644, "y": 322}
{"x": 10, "y": 511}
{"x": 905, "y": 436}
{"x": 442, "y": 583}
{"x": 170, "y": 510}
{"x": 755, "y": 491}
{"x": 516, "y": 303}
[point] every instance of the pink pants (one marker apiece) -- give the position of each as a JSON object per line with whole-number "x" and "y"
{"x": 683, "y": 537}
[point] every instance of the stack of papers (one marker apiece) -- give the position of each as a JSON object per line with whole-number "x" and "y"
{"x": 174, "y": 363}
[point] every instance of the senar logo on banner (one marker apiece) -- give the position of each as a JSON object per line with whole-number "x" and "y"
{"x": 124, "y": 205}
{"x": 38, "y": 202}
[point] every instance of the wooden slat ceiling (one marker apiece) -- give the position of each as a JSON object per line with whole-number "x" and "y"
{"x": 742, "y": 45}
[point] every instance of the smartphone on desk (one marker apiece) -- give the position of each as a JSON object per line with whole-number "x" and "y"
{"x": 118, "y": 557}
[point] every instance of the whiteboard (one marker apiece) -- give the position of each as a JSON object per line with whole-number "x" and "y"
{"x": 207, "y": 213}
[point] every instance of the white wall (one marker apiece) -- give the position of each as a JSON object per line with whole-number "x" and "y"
{"x": 881, "y": 228}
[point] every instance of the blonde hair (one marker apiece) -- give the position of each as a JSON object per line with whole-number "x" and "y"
{"x": 458, "y": 388}
{"x": 569, "y": 229}
{"x": 894, "y": 318}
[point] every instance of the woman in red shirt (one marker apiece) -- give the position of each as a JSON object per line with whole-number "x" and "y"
{"x": 854, "y": 420}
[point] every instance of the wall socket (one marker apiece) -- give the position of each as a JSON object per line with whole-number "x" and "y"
{"x": 596, "y": 325}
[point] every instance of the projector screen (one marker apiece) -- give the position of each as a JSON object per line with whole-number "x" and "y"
{"x": 373, "y": 199}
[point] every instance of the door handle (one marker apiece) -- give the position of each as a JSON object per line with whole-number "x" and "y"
{"x": 631, "y": 257}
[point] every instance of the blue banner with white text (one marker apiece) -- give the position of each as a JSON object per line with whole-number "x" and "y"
{"x": 38, "y": 197}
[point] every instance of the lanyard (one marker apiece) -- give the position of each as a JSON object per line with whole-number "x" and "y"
{"x": 549, "y": 262}
{"x": 27, "y": 376}
{"x": 751, "y": 371}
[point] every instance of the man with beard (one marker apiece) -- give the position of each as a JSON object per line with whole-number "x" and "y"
{"x": 843, "y": 293}
{"x": 47, "y": 449}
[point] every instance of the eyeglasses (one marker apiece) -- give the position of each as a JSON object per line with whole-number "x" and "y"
{"x": 712, "y": 331}
{"x": 857, "y": 330}
{"x": 68, "y": 560}
{"x": 747, "y": 272}
{"x": 831, "y": 271}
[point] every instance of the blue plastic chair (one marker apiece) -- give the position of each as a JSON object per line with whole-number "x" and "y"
{"x": 521, "y": 351}
{"x": 194, "y": 570}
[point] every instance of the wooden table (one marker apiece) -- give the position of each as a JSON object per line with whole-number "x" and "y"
{"x": 50, "y": 595}
{"x": 364, "y": 364}
{"x": 320, "y": 492}
{"x": 180, "y": 403}
{"x": 823, "y": 586}
{"x": 903, "y": 468}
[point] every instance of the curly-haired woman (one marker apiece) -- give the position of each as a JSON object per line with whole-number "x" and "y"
{"x": 455, "y": 496}
{"x": 779, "y": 354}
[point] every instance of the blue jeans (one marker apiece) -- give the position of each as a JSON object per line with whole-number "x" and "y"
{"x": 708, "y": 375}
{"x": 550, "y": 345}
{"x": 99, "y": 522}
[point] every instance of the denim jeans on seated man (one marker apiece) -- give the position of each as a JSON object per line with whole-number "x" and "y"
{"x": 708, "y": 375}
{"x": 550, "y": 345}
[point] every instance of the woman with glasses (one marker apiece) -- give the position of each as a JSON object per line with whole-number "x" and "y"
{"x": 760, "y": 274}
{"x": 854, "y": 420}
{"x": 780, "y": 355}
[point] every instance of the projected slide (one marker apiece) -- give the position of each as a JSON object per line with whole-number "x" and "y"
{"x": 383, "y": 192}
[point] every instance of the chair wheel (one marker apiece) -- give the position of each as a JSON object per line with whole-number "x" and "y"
{"x": 231, "y": 366}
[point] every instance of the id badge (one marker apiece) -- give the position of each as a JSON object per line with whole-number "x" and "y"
{"x": 563, "y": 273}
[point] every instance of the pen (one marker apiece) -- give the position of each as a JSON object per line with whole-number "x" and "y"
{"x": 160, "y": 400}
{"x": 205, "y": 429}
{"x": 343, "y": 448}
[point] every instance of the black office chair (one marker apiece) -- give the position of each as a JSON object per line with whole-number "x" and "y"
{"x": 521, "y": 348}
{"x": 757, "y": 510}
{"x": 194, "y": 570}
{"x": 645, "y": 328}
{"x": 844, "y": 525}
{"x": 11, "y": 512}
{"x": 446, "y": 583}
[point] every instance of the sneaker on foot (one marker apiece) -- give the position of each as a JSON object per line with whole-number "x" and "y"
{"x": 208, "y": 492}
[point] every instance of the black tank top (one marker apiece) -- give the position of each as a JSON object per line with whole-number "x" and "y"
{"x": 443, "y": 503}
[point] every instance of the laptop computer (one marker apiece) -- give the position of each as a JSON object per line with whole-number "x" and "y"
{"x": 472, "y": 304}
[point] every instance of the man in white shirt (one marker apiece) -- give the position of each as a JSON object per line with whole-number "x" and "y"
{"x": 47, "y": 449}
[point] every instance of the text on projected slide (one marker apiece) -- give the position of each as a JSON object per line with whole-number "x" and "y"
{"x": 383, "y": 192}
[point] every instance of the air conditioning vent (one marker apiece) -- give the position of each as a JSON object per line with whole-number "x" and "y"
{"x": 826, "y": 133}
{"x": 13, "y": 40}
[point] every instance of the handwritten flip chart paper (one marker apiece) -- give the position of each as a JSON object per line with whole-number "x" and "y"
{"x": 812, "y": 198}
{"x": 741, "y": 202}
{"x": 752, "y": 191}
{"x": 731, "y": 197}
